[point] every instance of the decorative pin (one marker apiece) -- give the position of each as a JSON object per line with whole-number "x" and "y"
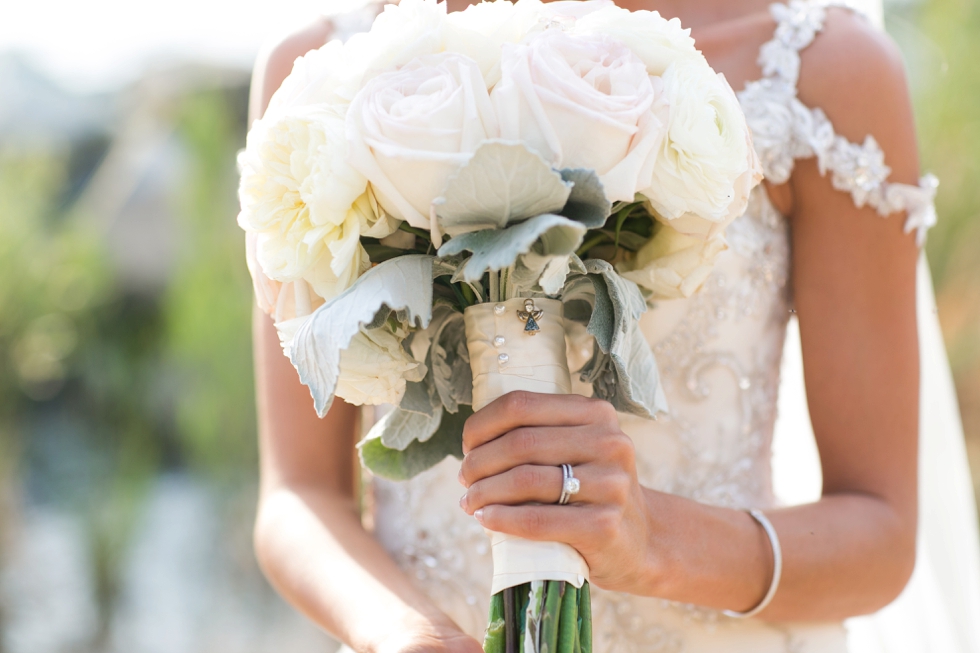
{"x": 530, "y": 316}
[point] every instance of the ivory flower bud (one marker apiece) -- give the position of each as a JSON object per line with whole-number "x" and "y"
{"x": 672, "y": 264}
{"x": 375, "y": 367}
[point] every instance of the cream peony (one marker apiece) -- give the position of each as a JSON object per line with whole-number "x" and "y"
{"x": 375, "y": 367}
{"x": 707, "y": 165}
{"x": 582, "y": 102}
{"x": 410, "y": 129}
{"x": 672, "y": 264}
{"x": 306, "y": 206}
{"x": 324, "y": 76}
{"x": 656, "y": 41}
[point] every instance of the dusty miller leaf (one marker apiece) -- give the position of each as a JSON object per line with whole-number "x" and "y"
{"x": 587, "y": 202}
{"x": 503, "y": 182}
{"x": 494, "y": 249}
{"x": 449, "y": 362}
{"x": 417, "y": 456}
{"x": 420, "y": 397}
{"x": 402, "y": 284}
{"x": 623, "y": 369}
{"x": 399, "y": 428}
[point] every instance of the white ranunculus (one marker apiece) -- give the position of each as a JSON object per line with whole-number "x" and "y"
{"x": 707, "y": 166}
{"x": 410, "y": 129}
{"x": 305, "y": 204}
{"x": 656, "y": 41}
{"x": 583, "y": 102}
{"x": 375, "y": 367}
{"x": 672, "y": 264}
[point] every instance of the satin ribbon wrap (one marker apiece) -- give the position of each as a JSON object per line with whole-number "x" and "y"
{"x": 537, "y": 364}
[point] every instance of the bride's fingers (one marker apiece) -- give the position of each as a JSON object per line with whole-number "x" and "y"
{"x": 535, "y": 483}
{"x": 584, "y": 526}
{"x": 575, "y": 445}
{"x": 517, "y": 409}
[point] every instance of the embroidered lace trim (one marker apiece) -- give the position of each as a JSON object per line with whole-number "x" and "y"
{"x": 784, "y": 129}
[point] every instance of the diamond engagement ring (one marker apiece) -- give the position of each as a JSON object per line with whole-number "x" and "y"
{"x": 569, "y": 484}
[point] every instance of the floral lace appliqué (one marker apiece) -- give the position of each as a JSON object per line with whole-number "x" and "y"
{"x": 784, "y": 129}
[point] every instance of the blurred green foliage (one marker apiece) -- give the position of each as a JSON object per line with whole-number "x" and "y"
{"x": 102, "y": 389}
{"x": 939, "y": 39}
{"x": 208, "y": 304}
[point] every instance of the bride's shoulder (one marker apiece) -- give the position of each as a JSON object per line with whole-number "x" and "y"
{"x": 855, "y": 74}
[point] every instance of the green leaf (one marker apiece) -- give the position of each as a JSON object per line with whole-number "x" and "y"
{"x": 503, "y": 182}
{"x": 493, "y": 249}
{"x": 417, "y": 456}
{"x": 587, "y": 203}
{"x": 402, "y": 284}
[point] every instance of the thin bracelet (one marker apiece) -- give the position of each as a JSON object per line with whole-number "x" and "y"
{"x": 777, "y": 568}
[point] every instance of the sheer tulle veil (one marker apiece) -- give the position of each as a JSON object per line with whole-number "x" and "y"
{"x": 940, "y": 608}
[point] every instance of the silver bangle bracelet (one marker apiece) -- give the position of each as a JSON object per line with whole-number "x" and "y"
{"x": 777, "y": 568}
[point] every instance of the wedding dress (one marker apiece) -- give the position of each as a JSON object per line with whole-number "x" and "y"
{"x": 720, "y": 354}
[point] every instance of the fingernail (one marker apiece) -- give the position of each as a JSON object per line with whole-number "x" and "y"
{"x": 479, "y": 515}
{"x": 462, "y": 481}
{"x": 462, "y": 501}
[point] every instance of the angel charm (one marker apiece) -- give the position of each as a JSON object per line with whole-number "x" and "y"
{"x": 530, "y": 315}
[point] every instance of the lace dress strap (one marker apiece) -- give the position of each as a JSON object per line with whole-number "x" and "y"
{"x": 784, "y": 129}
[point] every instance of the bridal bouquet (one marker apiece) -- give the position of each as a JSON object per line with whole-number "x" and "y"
{"x": 433, "y": 204}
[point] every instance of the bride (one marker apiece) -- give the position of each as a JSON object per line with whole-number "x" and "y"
{"x": 679, "y": 564}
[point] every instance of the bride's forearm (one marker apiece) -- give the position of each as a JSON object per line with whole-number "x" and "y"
{"x": 844, "y": 555}
{"x": 313, "y": 549}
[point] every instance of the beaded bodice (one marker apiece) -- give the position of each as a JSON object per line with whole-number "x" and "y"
{"x": 719, "y": 355}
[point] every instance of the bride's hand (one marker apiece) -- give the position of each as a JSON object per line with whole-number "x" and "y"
{"x": 513, "y": 451}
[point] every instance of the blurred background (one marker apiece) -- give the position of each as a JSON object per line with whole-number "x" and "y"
{"x": 127, "y": 434}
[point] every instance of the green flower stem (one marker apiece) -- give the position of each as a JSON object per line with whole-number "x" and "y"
{"x": 421, "y": 233}
{"x": 597, "y": 239}
{"x": 524, "y": 596}
{"x": 493, "y": 641}
{"x": 494, "y": 286}
{"x": 585, "y": 614}
{"x": 510, "y": 621}
{"x": 549, "y": 620}
{"x": 568, "y": 622}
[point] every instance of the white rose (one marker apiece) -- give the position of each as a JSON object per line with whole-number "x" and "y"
{"x": 672, "y": 264}
{"x": 707, "y": 165}
{"x": 410, "y": 129}
{"x": 582, "y": 102}
{"x": 656, "y": 41}
{"x": 480, "y": 30}
{"x": 374, "y": 369}
{"x": 306, "y": 206}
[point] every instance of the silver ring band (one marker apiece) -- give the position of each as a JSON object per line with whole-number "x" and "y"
{"x": 569, "y": 484}
{"x": 777, "y": 568}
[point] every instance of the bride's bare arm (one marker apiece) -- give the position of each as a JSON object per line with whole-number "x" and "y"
{"x": 308, "y": 534}
{"x": 854, "y": 286}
